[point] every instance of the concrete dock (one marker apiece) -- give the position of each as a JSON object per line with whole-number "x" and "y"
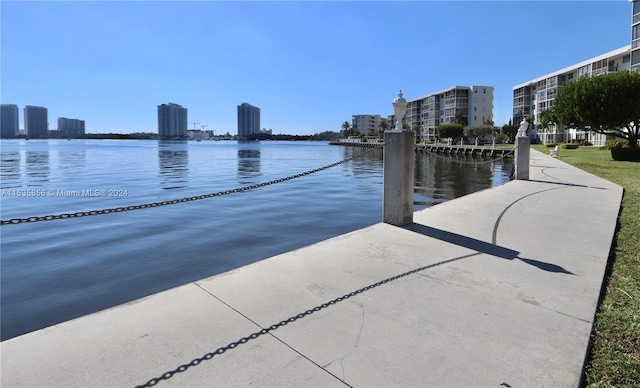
{"x": 495, "y": 289}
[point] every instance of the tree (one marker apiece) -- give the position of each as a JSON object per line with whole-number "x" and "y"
{"x": 478, "y": 131}
{"x": 384, "y": 125}
{"x": 460, "y": 118}
{"x": 450, "y": 130}
{"x": 511, "y": 131}
{"x": 417, "y": 129}
{"x": 348, "y": 130}
{"x": 488, "y": 121}
{"x": 607, "y": 103}
{"x": 547, "y": 119}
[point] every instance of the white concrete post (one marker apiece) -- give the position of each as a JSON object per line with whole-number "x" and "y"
{"x": 398, "y": 170}
{"x": 523, "y": 152}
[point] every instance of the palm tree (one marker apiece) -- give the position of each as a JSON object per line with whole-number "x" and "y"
{"x": 460, "y": 118}
{"x": 346, "y": 126}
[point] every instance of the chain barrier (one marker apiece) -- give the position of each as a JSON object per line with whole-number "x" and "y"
{"x": 244, "y": 340}
{"x": 63, "y": 216}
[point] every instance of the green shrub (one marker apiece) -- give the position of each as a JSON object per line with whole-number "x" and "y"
{"x": 618, "y": 143}
{"x": 551, "y": 145}
{"x": 569, "y": 146}
{"x": 449, "y": 130}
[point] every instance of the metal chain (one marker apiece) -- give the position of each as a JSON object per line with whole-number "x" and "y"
{"x": 51, "y": 217}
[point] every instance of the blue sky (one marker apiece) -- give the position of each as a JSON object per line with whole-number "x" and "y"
{"x": 308, "y": 65}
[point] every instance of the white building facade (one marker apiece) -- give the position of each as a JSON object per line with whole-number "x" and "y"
{"x": 367, "y": 124}
{"x": 533, "y": 97}
{"x": 472, "y": 105}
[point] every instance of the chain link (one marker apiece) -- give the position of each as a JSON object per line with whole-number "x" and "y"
{"x": 51, "y": 217}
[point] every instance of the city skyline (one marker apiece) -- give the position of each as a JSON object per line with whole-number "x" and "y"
{"x": 310, "y": 66}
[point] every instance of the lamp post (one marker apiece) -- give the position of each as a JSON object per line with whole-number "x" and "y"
{"x": 399, "y": 109}
{"x": 398, "y": 166}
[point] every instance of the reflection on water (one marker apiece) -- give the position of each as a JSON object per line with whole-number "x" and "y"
{"x": 441, "y": 178}
{"x": 10, "y": 170}
{"x": 72, "y": 162}
{"x": 37, "y": 168}
{"x": 173, "y": 159}
{"x": 248, "y": 163}
{"x": 51, "y": 271}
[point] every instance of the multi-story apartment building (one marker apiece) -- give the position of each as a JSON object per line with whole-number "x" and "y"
{"x": 533, "y": 97}
{"x": 469, "y": 105}
{"x": 72, "y": 127}
{"x": 367, "y": 124}
{"x": 248, "y": 121}
{"x": 9, "y": 125}
{"x": 635, "y": 35}
{"x": 36, "y": 122}
{"x": 172, "y": 121}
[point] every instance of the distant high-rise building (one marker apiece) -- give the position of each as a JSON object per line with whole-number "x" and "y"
{"x": 36, "y": 122}
{"x": 248, "y": 121}
{"x": 9, "y": 126}
{"x": 70, "y": 127}
{"x": 172, "y": 121}
{"x": 635, "y": 35}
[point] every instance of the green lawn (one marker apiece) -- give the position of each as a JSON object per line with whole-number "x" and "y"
{"x": 615, "y": 353}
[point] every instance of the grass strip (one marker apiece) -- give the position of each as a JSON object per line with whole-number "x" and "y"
{"x": 614, "y": 360}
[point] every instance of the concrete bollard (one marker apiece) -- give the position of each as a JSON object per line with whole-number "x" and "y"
{"x": 522, "y": 158}
{"x": 398, "y": 180}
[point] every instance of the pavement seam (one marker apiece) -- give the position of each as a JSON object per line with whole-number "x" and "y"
{"x": 270, "y": 333}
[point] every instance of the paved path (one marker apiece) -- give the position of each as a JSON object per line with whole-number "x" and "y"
{"x": 498, "y": 288}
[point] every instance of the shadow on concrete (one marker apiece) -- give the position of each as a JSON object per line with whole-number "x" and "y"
{"x": 479, "y": 246}
{"x": 463, "y": 241}
{"x": 483, "y": 247}
{"x": 563, "y": 183}
{"x": 267, "y": 330}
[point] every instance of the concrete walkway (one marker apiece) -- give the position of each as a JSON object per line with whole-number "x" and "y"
{"x": 498, "y": 288}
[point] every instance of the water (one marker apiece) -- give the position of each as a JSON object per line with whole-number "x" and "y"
{"x": 58, "y": 270}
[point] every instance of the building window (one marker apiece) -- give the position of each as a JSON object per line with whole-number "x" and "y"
{"x": 484, "y": 91}
{"x": 626, "y": 58}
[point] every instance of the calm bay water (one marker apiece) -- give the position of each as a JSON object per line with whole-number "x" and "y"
{"x": 54, "y": 271}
